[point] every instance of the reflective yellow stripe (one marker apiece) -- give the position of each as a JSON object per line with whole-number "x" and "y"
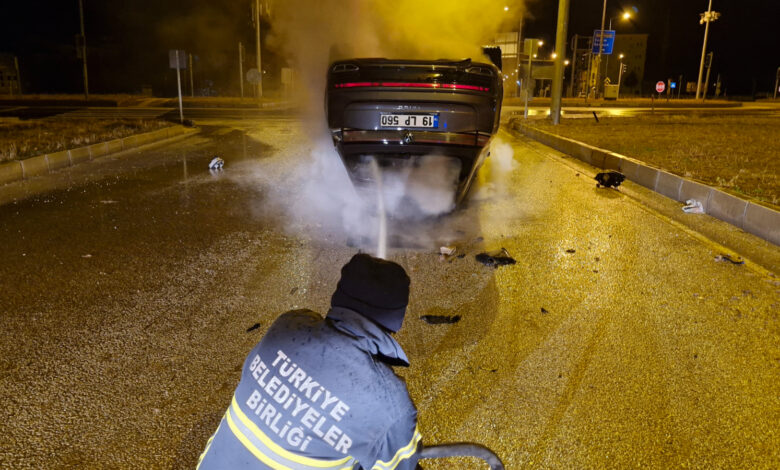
{"x": 251, "y": 447}
{"x": 403, "y": 453}
{"x": 208, "y": 444}
{"x": 284, "y": 453}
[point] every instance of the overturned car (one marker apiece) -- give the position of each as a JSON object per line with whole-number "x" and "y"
{"x": 403, "y": 112}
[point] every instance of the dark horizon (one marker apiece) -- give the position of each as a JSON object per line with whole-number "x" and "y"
{"x": 128, "y": 42}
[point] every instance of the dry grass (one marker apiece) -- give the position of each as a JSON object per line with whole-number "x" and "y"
{"x": 738, "y": 153}
{"x": 22, "y": 139}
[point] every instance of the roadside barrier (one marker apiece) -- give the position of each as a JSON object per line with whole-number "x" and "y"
{"x": 42, "y": 164}
{"x": 749, "y": 216}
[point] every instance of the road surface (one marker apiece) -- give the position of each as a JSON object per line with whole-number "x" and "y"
{"x": 130, "y": 285}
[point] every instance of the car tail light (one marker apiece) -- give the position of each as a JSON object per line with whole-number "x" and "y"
{"x": 446, "y": 86}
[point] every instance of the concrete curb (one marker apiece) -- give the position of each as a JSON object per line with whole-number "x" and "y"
{"x": 754, "y": 218}
{"x": 43, "y": 164}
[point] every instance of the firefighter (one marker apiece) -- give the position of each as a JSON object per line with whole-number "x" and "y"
{"x": 320, "y": 393}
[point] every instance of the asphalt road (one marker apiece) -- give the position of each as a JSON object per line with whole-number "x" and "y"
{"x": 617, "y": 340}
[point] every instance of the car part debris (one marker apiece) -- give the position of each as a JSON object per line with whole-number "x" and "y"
{"x": 496, "y": 258}
{"x": 692, "y": 206}
{"x": 571, "y": 250}
{"x": 448, "y": 250}
{"x": 609, "y": 179}
{"x": 440, "y": 319}
{"x": 253, "y": 327}
{"x": 731, "y": 259}
{"x": 216, "y": 163}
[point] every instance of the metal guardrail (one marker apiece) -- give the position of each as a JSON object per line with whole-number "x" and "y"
{"x": 463, "y": 450}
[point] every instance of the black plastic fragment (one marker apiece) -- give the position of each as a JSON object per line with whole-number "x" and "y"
{"x": 609, "y": 179}
{"x": 495, "y": 258}
{"x": 253, "y": 327}
{"x": 440, "y": 319}
{"x": 730, "y": 259}
{"x": 571, "y": 250}
{"x": 544, "y": 311}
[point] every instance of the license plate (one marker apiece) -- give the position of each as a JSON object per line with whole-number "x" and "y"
{"x": 409, "y": 120}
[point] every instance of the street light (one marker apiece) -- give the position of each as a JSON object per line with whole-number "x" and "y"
{"x": 620, "y": 74}
{"x": 624, "y": 16}
{"x": 707, "y": 17}
{"x": 554, "y": 55}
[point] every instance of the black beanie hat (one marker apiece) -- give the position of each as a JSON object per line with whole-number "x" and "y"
{"x": 375, "y": 288}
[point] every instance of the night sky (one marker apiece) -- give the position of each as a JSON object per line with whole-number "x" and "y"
{"x": 128, "y": 40}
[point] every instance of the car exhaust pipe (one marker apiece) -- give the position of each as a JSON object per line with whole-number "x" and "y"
{"x": 463, "y": 450}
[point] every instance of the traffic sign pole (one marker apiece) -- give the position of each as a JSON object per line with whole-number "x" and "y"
{"x": 178, "y": 83}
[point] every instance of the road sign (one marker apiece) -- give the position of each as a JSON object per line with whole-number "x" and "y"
{"x": 253, "y": 76}
{"x": 609, "y": 41}
{"x": 673, "y": 85}
{"x": 660, "y": 87}
{"x": 177, "y": 61}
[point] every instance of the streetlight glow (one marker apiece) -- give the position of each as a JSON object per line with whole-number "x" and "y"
{"x": 541, "y": 43}
{"x": 554, "y": 55}
{"x": 626, "y": 16}
{"x": 566, "y": 62}
{"x": 506, "y": 8}
{"x": 622, "y": 55}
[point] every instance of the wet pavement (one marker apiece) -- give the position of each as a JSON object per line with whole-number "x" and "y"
{"x": 134, "y": 286}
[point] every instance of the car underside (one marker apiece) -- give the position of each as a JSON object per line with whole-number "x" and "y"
{"x": 400, "y": 112}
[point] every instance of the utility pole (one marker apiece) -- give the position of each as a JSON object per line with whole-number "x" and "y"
{"x": 241, "y": 67}
{"x": 560, "y": 51}
{"x": 178, "y": 84}
{"x": 777, "y": 81}
{"x": 84, "y": 50}
{"x": 192, "y": 87}
{"x": 257, "y": 45}
{"x": 706, "y": 18}
{"x": 601, "y": 48}
{"x": 707, "y": 80}
{"x": 573, "y": 66}
{"x": 19, "y": 77}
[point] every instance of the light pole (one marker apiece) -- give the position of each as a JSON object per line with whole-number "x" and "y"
{"x": 706, "y": 17}
{"x": 625, "y": 16}
{"x": 84, "y": 50}
{"x": 620, "y": 75}
{"x": 601, "y": 47}
{"x": 558, "y": 56}
{"x": 257, "y": 45}
{"x": 530, "y": 46}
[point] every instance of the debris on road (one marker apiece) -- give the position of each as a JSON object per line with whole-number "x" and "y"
{"x": 609, "y": 179}
{"x": 544, "y": 311}
{"x": 448, "y": 250}
{"x": 571, "y": 250}
{"x": 440, "y": 319}
{"x": 253, "y": 327}
{"x": 731, "y": 259}
{"x": 495, "y": 258}
{"x": 692, "y": 206}
{"x": 216, "y": 163}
